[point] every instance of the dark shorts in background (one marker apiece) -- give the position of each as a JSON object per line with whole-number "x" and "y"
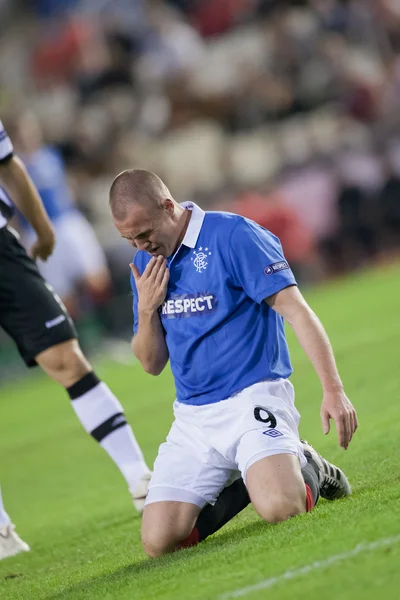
{"x": 30, "y": 311}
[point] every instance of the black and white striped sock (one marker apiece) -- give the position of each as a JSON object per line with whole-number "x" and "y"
{"x": 102, "y": 416}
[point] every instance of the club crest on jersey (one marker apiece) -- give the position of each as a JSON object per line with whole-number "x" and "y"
{"x": 200, "y": 259}
{"x": 276, "y": 267}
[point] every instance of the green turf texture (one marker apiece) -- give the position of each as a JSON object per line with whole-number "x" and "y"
{"x": 71, "y": 504}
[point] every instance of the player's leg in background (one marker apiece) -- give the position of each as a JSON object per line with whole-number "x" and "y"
{"x": 100, "y": 413}
{"x": 78, "y": 272}
{"x": 57, "y": 270}
{"x": 10, "y": 543}
{"x": 37, "y": 321}
{"x": 88, "y": 270}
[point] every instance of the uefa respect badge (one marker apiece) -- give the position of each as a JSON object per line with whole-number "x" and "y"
{"x": 276, "y": 267}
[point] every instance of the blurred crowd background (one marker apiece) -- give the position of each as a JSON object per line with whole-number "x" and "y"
{"x": 284, "y": 111}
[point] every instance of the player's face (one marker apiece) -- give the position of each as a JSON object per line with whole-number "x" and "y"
{"x": 152, "y": 231}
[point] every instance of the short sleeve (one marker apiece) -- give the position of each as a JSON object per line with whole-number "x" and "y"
{"x": 258, "y": 262}
{"x": 6, "y": 147}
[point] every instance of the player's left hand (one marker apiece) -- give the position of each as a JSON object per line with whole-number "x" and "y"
{"x": 44, "y": 245}
{"x": 336, "y": 406}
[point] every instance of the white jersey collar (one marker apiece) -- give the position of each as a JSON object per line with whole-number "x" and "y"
{"x": 195, "y": 224}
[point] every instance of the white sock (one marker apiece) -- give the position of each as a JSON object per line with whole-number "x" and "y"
{"x": 101, "y": 414}
{"x": 4, "y": 518}
{"x": 122, "y": 447}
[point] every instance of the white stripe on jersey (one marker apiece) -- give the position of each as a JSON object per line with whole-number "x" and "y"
{"x": 6, "y": 146}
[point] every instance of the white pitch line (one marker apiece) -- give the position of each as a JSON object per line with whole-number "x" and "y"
{"x": 319, "y": 564}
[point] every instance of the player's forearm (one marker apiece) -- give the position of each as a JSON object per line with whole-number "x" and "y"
{"x": 315, "y": 343}
{"x": 149, "y": 344}
{"x": 24, "y": 194}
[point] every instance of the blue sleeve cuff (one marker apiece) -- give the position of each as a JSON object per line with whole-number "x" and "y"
{"x": 271, "y": 290}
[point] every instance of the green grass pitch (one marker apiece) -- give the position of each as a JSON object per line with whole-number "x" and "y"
{"x": 71, "y": 504}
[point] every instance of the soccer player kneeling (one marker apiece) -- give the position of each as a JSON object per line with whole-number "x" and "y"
{"x": 211, "y": 292}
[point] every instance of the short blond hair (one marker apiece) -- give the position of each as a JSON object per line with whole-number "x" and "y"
{"x": 136, "y": 186}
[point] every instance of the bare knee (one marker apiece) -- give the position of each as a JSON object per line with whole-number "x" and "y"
{"x": 165, "y": 525}
{"x": 153, "y": 545}
{"x": 156, "y": 545}
{"x": 280, "y": 507}
{"x": 276, "y": 487}
{"x": 65, "y": 363}
{"x": 158, "y": 541}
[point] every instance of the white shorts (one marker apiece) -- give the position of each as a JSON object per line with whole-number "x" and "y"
{"x": 77, "y": 254}
{"x": 210, "y": 446}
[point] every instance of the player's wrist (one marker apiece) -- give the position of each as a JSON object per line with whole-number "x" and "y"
{"x": 147, "y": 311}
{"x": 333, "y": 387}
{"x": 44, "y": 231}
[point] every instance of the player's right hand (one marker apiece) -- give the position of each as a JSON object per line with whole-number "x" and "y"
{"x": 152, "y": 283}
{"x": 44, "y": 245}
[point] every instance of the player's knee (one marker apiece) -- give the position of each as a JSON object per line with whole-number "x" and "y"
{"x": 157, "y": 542}
{"x": 280, "y": 507}
{"x": 160, "y": 538}
{"x": 155, "y": 547}
{"x": 65, "y": 363}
